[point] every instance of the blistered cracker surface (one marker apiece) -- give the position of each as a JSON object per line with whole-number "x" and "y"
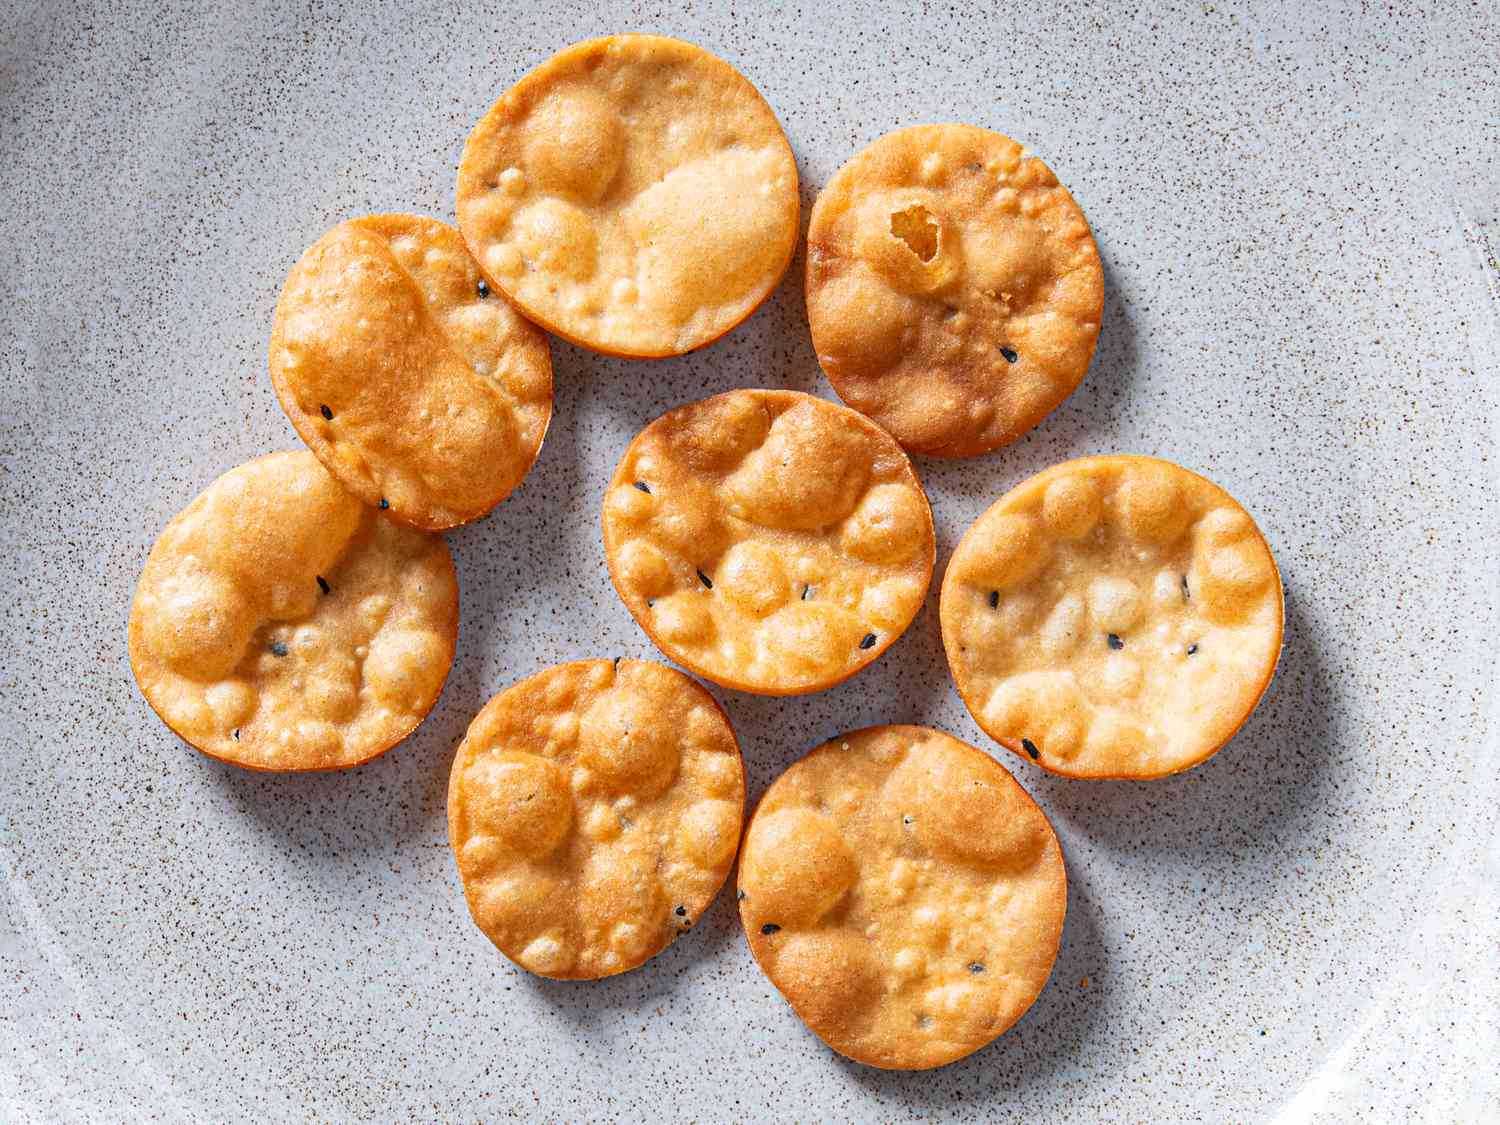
{"x": 282, "y": 625}
{"x": 634, "y": 194}
{"x": 415, "y": 383}
{"x": 904, "y": 894}
{"x": 768, "y": 540}
{"x": 953, "y": 288}
{"x": 594, "y": 810}
{"x": 1122, "y": 615}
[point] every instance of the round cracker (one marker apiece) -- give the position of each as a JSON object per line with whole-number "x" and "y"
{"x": 279, "y": 624}
{"x": 953, "y": 288}
{"x": 633, "y": 194}
{"x": 769, "y": 541}
{"x": 904, "y": 894}
{"x": 414, "y": 382}
{"x": 1113, "y": 617}
{"x": 594, "y": 810}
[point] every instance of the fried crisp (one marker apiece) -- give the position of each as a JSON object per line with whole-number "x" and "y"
{"x": 770, "y": 541}
{"x": 279, "y": 624}
{"x": 416, "y": 384}
{"x": 953, "y": 288}
{"x": 634, "y": 194}
{"x": 904, "y": 894}
{"x": 1113, "y": 617}
{"x": 594, "y": 810}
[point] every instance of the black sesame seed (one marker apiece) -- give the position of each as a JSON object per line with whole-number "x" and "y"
{"x": 906, "y": 820}
{"x": 236, "y": 733}
{"x": 1192, "y": 648}
{"x": 805, "y": 591}
{"x": 650, "y": 602}
{"x": 484, "y": 287}
{"x": 994, "y": 598}
{"x": 617, "y": 663}
{"x": 1010, "y": 354}
{"x": 384, "y": 503}
{"x": 976, "y": 966}
{"x": 868, "y": 642}
{"x": 1115, "y": 642}
{"x": 327, "y": 414}
{"x": 323, "y": 585}
{"x": 643, "y": 486}
{"x": 708, "y": 582}
{"x": 739, "y": 896}
{"x": 1186, "y": 593}
{"x": 681, "y": 912}
{"x": 770, "y": 928}
{"x": 1030, "y": 748}
{"x": 278, "y": 649}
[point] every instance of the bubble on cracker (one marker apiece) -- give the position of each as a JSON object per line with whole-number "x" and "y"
{"x": 635, "y": 194}
{"x": 594, "y": 810}
{"x": 781, "y": 544}
{"x": 280, "y": 624}
{"x": 423, "y": 395}
{"x": 1112, "y": 617}
{"x": 904, "y": 894}
{"x": 954, "y": 290}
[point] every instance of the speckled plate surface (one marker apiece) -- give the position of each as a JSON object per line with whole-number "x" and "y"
{"x": 1298, "y": 222}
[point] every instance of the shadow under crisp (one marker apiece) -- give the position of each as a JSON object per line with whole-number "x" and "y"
{"x": 582, "y": 1003}
{"x": 1252, "y": 796}
{"x": 1058, "y": 1028}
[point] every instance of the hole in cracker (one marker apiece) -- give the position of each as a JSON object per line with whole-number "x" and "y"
{"x": 916, "y": 227}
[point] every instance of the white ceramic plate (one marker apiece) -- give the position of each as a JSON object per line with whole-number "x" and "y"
{"x": 1298, "y": 218}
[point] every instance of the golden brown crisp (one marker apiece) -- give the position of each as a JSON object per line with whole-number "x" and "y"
{"x": 953, "y": 288}
{"x": 416, "y": 384}
{"x": 904, "y": 894}
{"x": 634, "y": 194}
{"x": 768, "y": 540}
{"x": 279, "y": 624}
{"x": 594, "y": 810}
{"x": 1113, "y": 617}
